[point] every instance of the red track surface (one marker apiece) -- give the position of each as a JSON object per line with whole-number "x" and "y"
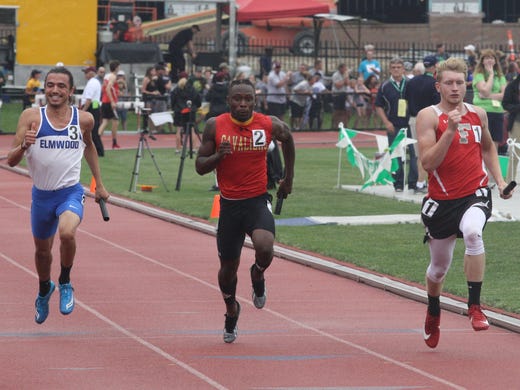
{"x": 149, "y": 316}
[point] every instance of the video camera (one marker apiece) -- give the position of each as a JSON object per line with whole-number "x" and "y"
{"x": 188, "y": 113}
{"x": 144, "y": 112}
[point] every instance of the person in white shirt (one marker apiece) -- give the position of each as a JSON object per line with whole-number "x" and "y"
{"x": 277, "y": 82}
{"x": 342, "y": 92}
{"x": 315, "y": 111}
{"x": 298, "y": 101}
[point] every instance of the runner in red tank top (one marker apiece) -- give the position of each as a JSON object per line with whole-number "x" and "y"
{"x": 109, "y": 98}
{"x": 236, "y": 145}
{"x": 457, "y": 151}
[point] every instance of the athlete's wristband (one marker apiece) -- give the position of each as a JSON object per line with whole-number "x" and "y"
{"x": 24, "y": 146}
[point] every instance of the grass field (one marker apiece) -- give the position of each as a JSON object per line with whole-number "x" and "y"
{"x": 10, "y": 112}
{"x": 394, "y": 250}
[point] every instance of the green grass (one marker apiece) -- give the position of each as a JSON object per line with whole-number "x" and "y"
{"x": 10, "y": 112}
{"x": 394, "y": 250}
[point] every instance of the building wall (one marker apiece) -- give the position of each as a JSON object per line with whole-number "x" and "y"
{"x": 52, "y": 31}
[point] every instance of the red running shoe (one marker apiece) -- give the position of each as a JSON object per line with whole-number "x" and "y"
{"x": 432, "y": 331}
{"x": 116, "y": 146}
{"x": 478, "y": 319}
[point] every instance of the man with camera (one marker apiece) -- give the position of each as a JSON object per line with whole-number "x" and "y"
{"x": 179, "y": 98}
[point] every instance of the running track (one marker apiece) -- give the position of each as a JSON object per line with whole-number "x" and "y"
{"x": 149, "y": 316}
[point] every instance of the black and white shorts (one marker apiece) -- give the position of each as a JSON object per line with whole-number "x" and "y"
{"x": 442, "y": 217}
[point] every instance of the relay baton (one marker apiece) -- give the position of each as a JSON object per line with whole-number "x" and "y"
{"x": 509, "y": 188}
{"x": 104, "y": 211}
{"x": 279, "y": 204}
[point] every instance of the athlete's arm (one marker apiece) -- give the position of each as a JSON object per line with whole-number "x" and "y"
{"x": 25, "y": 136}
{"x": 208, "y": 156}
{"x": 282, "y": 133}
{"x": 431, "y": 150}
{"x": 86, "y": 122}
{"x": 490, "y": 154}
{"x": 110, "y": 90}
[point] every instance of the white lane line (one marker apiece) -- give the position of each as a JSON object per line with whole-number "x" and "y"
{"x": 214, "y": 287}
{"x": 288, "y": 319}
{"x": 129, "y": 334}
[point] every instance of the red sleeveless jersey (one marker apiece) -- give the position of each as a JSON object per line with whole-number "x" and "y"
{"x": 243, "y": 174}
{"x": 115, "y": 91}
{"x": 462, "y": 171}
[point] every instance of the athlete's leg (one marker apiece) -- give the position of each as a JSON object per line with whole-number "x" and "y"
{"x": 43, "y": 259}
{"x": 102, "y": 126}
{"x": 441, "y": 256}
{"x": 115, "y": 125}
{"x": 230, "y": 240}
{"x": 227, "y": 281}
{"x": 43, "y": 224}
{"x": 70, "y": 214}
{"x": 67, "y": 226}
{"x": 471, "y": 226}
{"x": 263, "y": 241}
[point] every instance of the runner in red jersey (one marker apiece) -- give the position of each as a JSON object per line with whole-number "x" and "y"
{"x": 109, "y": 98}
{"x": 236, "y": 145}
{"x": 457, "y": 151}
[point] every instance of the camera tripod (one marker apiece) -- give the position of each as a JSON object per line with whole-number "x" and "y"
{"x": 187, "y": 138}
{"x": 143, "y": 143}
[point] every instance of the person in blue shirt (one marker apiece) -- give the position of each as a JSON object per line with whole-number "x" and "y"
{"x": 369, "y": 65}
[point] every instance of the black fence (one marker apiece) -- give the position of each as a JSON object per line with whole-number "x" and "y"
{"x": 333, "y": 53}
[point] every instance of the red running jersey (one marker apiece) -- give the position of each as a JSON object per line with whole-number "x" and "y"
{"x": 243, "y": 174}
{"x": 462, "y": 171}
{"x": 115, "y": 91}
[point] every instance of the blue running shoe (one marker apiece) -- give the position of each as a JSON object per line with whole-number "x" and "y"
{"x": 66, "y": 298}
{"x": 42, "y": 305}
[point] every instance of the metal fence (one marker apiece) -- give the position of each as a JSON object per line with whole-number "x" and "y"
{"x": 333, "y": 53}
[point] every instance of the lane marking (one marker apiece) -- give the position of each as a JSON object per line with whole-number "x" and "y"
{"x": 128, "y": 333}
{"x": 214, "y": 287}
{"x": 284, "y": 317}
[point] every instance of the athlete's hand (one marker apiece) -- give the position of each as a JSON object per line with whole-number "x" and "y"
{"x": 30, "y": 135}
{"x": 224, "y": 149}
{"x": 509, "y": 193}
{"x": 454, "y": 118}
{"x": 284, "y": 188}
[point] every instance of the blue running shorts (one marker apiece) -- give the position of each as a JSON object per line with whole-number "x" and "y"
{"x": 47, "y": 206}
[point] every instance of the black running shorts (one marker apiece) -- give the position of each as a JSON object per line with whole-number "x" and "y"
{"x": 240, "y": 217}
{"x": 442, "y": 217}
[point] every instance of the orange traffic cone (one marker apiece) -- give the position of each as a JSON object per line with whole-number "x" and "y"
{"x": 92, "y": 185}
{"x": 215, "y": 210}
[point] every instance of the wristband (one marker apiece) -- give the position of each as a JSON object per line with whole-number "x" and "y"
{"x": 24, "y": 146}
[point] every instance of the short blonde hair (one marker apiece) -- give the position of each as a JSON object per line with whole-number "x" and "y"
{"x": 453, "y": 64}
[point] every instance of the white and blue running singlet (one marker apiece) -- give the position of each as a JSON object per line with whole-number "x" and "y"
{"x": 54, "y": 160}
